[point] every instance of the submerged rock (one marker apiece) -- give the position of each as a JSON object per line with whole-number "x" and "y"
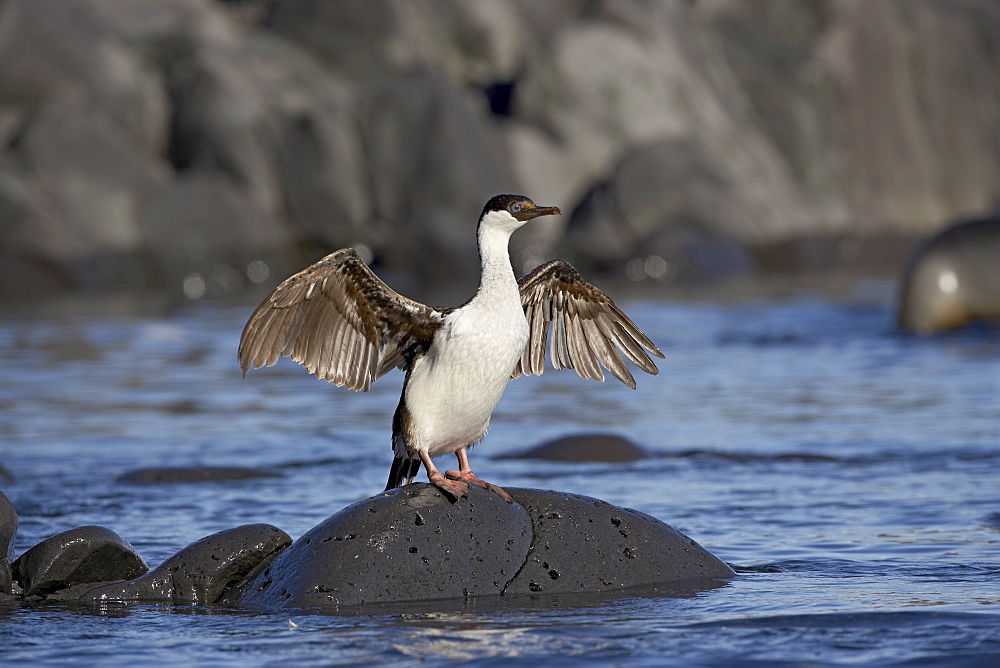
{"x": 201, "y": 572}
{"x": 584, "y": 448}
{"x": 8, "y": 529}
{"x": 182, "y": 474}
{"x": 412, "y": 544}
{"x": 84, "y": 555}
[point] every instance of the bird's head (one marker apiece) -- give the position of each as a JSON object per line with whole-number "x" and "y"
{"x": 509, "y": 212}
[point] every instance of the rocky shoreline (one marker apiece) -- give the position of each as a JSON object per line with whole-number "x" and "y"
{"x": 196, "y": 149}
{"x": 402, "y": 546}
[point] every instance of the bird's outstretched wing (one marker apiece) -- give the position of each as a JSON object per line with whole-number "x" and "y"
{"x": 586, "y": 327}
{"x": 338, "y": 320}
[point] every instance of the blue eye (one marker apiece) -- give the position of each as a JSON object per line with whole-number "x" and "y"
{"x": 515, "y": 208}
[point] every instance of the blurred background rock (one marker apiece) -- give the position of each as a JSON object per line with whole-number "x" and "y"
{"x": 198, "y": 148}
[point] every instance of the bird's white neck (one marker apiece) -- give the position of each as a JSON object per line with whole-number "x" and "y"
{"x": 497, "y": 281}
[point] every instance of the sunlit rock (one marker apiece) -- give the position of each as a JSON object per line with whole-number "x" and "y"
{"x": 80, "y": 556}
{"x": 952, "y": 278}
{"x": 202, "y": 571}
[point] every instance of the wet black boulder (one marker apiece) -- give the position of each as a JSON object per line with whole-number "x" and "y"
{"x": 8, "y": 529}
{"x": 412, "y": 544}
{"x": 78, "y": 557}
{"x": 406, "y": 544}
{"x": 201, "y": 572}
{"x": 582, "y": 544}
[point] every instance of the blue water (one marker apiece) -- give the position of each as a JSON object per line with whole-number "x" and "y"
{"x": 851, "y": 476}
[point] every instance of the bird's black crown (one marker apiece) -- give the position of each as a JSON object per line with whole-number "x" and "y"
{"x": 504, "y": 203}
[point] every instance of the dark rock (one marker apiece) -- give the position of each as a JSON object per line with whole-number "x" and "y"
{"x": 406, "y": 544}
{"x": 952, "y": 278}
{"x": 584, "y": 448}
{"x": 6, "y": 475}
{"x": 412, "y": 544}
{"x": 8, "y": 529}
{"x": 187, "y": 474}
{"x": 201, "y": 572}
{"x": 88, "y": 554}
{"x": 586, "y": 545}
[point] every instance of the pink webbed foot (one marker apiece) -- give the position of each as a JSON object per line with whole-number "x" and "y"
{"x": 470, "y": 479}
{"x": 451, "y": 488}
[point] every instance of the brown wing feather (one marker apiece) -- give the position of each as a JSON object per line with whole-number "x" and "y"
{"x": 338, "y": 320}
{"x": 587, "y": 327}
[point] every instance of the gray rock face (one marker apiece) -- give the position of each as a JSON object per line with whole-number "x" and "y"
{"x": 690, "y": 133}
{"x": 411, "y": 544}
{"x": 88, "y": 554}
{"x": 689, "y": 226}
{"x": 436, "y": 163}
{"x": 952, "y": 278}
{"x": 583, "y": 544}
{"x": 473, "y": 42}
{"x": 406, "y": 544}
{"x": 201, "y": 572}
{"x": 184, "y": 474}
{"x": 8, "y": 529}
{"x": 584, "y": 448}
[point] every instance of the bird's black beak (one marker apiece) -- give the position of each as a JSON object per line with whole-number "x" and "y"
{"x": 528, "y": 213}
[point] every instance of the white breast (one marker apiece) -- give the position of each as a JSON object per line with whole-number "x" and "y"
{"x": 454, "y": 388}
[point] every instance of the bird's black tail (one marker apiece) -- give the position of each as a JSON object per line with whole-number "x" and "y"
{"x": 403, "y": 468}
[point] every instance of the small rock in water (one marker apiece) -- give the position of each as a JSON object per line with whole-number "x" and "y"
{"x": 84, "y": 555}
{"x": 187, "y": 474}
{"x": 8, "y": 529}
{"x": 201, "y": 572}
{"x": 584, "y": 448}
